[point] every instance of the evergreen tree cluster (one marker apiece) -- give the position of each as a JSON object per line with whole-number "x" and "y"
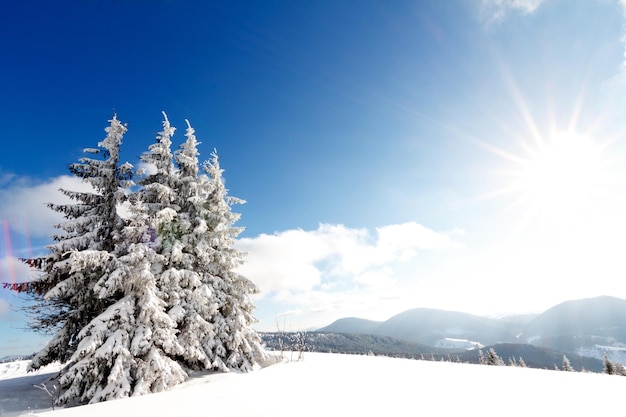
{"x": 135, "y": 301}
{"x": 491, "y": 358}
{"x": 613, "y": 368}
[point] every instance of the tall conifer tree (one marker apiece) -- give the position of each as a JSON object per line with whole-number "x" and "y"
{"x": 138, "y": 298}
{"x": 129, "y": 349}
{"x": 194, "y": 305}
{"x": 65, "y": 301}
{"x": 236, "y": 345}
{"x": 126, "y": 350}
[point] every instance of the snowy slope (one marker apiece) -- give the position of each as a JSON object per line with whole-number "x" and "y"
{"x": 333, "y": 384}
{"x": 18, "y": 369}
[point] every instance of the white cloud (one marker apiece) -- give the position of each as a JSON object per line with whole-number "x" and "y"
{"x": 403, "y": 240}
{"x": 334, "y": 257}
{"x": 284, "y": 261}
{"x": 495, "y": 11}
{"x": 24, "y": 206}
{"x": 378, "y": 279}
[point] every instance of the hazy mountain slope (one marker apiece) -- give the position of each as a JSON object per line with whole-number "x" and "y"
{"x": 591, "y": 327}
{"x": 351, "y": 325}
{"x": 428, "y": 326}
{"x": 431, "y": 326}
{"x": 572, "y": 324}
{"x": 517, "y": 322}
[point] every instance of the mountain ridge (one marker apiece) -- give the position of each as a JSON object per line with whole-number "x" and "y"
{"x": 590, "y": 326}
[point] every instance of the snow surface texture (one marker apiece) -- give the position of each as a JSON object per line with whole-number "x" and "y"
{"x": 334, "y": 384}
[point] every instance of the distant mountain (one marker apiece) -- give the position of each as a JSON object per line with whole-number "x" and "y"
{"x": 517, "y": 322}
{"x": 601, "y": 316}
{"x": 591, "y": 327}
{"x": 352, "y": 325}
{"x": 431, "y": 327}
{"x": 577, "y": 324}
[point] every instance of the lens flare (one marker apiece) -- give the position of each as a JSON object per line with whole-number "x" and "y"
{"x": 8, "y": 252}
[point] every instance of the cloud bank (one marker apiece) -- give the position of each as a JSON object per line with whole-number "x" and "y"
{"x": 23, "y": 205}
{"x": 298, "y": 260}
{"x": 334, "y": 258}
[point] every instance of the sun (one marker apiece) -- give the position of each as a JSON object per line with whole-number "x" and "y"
{"x": 562, "y": 180}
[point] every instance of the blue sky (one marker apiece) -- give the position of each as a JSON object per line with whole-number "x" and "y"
{"x": 465, "y": 155}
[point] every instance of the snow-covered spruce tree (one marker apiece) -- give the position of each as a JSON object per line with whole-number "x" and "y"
{"x": 210, "y": 302}
{"x": 65, "y": 302}
{"x": 236, "y": 345}
{"x": 492, "y": 358}
{"x": 155, "y": 204}
{"x": 131, "y": 348}
{"x": 613, "y": 368}
{"x": 566, "y": 365}
{"x": 191, "y": 301}
{"x": 126, "y": 350}
{"x": 164, "y": 204}
{"x": 158, "y": 186}
{"x": 481, "y": 357}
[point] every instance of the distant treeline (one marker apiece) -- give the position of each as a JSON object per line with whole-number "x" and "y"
{"x": 363, "y": 344}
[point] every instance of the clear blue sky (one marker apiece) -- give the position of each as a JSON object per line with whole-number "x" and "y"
{"x": 464, "y": 154}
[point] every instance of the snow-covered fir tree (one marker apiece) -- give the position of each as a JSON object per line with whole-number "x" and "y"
{"x": 186, "y": 158}
{"x": 211, "y": 303}
{"x": 65, "y": 300}
{"x": 163, "y": 203}
{"x": 236, "y": 345}
{"x": 566, "y": 365}
{"x": 140, "y": 299}
{"x": 613, "y": 368}
{"x": 126, "y": 350}
{"x": 157, "y": 190}
{"x": 191, "y": 300}
{"x": 492, "y": 358}
{"x": 131, "y": 348}
{"x": 208, "y": 300}
{"x": 156, "y": 204}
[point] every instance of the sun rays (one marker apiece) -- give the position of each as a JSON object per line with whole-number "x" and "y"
{"x": 561, "y": 181}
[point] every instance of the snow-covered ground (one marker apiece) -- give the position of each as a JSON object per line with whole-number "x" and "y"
{"x": 615, "y": 353}
{"x": 451, "y": 343}
{"x": 334, "y": 384}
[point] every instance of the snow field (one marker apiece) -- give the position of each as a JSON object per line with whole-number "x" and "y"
{"x": 334, "y": 384}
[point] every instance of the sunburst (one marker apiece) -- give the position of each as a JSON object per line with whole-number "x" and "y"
{"x": 562, "y": 181}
